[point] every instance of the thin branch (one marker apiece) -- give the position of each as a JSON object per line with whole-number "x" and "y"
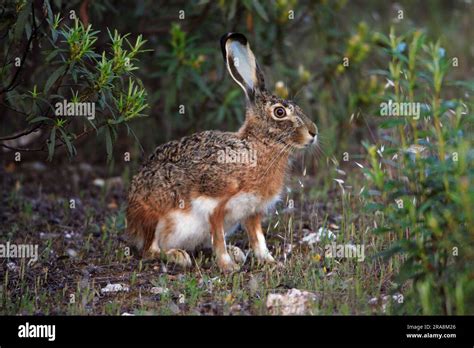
{"x": 42, "y": 148}
{"x": 22, "y": 149}
{"x": 13, "y": 109}
{"x": 21, "y": 133}
{"x": 33, "y": 35}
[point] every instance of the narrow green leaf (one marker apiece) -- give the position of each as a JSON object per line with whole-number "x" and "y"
{"x": 52, "y": 79}
{"x": 21, "y": 21}
{"x": 260, "y": 10}
{"x": 51, "y": 144}
{"x": 40, "y": 118}
{"x": 70, "y": 147}
{"x": 108, "y": 143}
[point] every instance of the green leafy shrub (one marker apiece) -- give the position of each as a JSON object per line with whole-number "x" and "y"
{"x": 422, "y": 174}
{"x": 73, "y": 71}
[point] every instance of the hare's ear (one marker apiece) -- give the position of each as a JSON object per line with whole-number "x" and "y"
{"x": 242, "y": 65}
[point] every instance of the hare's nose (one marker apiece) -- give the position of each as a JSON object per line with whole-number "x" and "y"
{"x": 313, "y": 131}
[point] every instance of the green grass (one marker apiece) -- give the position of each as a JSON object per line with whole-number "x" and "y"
{"x": 61, "y": 284}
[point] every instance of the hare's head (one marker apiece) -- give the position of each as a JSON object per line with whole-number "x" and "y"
{"x": 272, "y": 118}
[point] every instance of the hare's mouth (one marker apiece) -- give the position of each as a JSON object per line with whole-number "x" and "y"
{"x": 309, "y": 139}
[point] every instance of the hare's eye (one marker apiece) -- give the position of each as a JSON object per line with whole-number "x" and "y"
{"x": 279, "y": 112}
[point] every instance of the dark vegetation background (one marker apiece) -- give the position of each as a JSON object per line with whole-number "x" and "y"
{"x": 139, "y": 88}
{"x": 184, "y": 65}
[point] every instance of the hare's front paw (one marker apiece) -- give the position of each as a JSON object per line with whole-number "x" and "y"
{"x": 179, "y": 257}
{"x": 226, "y": 265}
{"x": 236, "y": 254}
{"x": 264, "y": 257}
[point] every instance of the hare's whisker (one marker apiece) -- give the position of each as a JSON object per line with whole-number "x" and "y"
{"x": 298, "y": 91}
{"x": 282, "y": 151}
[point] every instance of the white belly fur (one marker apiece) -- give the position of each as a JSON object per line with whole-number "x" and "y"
{"x": 192, "y": 229}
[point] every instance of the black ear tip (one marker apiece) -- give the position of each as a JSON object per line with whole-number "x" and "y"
{"x": 234, "y": 36}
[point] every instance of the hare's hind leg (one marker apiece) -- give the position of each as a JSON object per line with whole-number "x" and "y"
{"x": 178, "y": 257}
{"x": 153, "y": 252}
{"x": 170, "y": 254}
{"x": 257, "y": 239}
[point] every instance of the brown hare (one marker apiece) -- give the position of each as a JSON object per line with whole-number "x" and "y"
{"x": 192, "y": 191}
